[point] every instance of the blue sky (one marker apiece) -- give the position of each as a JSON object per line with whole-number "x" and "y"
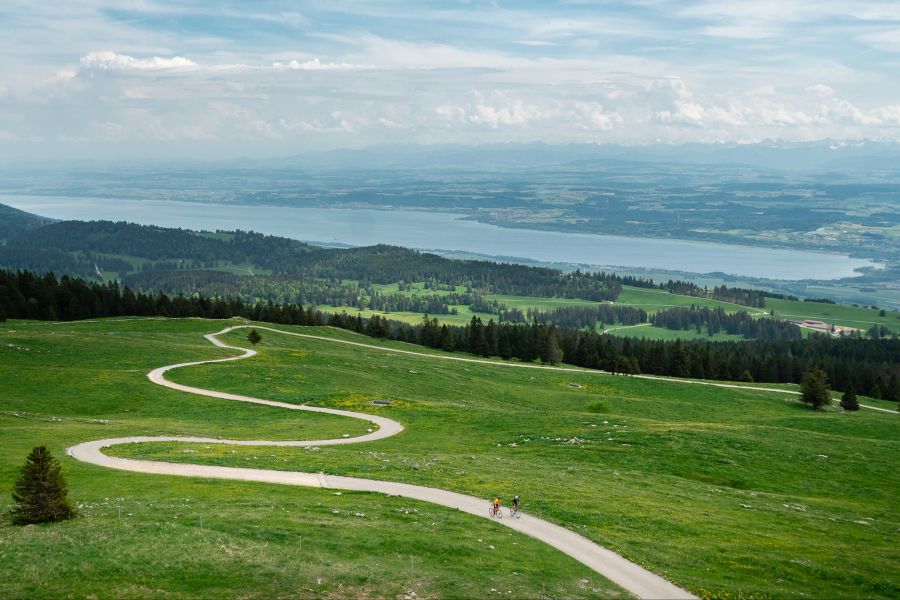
{"x": 157, "y": 78}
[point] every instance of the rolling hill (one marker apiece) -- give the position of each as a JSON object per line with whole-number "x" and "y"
{"x": 727, "y": 492}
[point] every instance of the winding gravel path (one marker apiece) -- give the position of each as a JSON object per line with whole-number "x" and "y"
{"x": 614, "y": 567}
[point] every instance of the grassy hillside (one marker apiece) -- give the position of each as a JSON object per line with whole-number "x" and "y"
{"x": 840, "y": 314}
{"x": 728, "y": 492}
{"x": 144, "y": 536}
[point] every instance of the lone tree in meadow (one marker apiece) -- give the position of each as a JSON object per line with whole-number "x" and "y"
{"x": 814, "y": 389}
{"x": 254, "y": 337}
{"x": 40, "y": 492}
{"x": 848, "y": 400}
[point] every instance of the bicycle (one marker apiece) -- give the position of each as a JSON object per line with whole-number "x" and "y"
{"x": 494, "y": 511}
{"x": 514, "y": 512}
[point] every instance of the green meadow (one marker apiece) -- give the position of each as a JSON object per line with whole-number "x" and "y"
{"x": 728, "y": 492}
{"x": 839, "y": 314}
{"x": 141, "y": 536}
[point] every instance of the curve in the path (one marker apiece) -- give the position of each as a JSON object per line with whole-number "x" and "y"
{"x": 614, "y": 567}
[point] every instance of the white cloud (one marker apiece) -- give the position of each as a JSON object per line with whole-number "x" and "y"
{"x": 820, "y": 89}
{"x": 499, "y": 110}
{"x": 313, "y": 64}
{"x": 887, "y": 40}
{"x": 889, "y": 114}
{"x": 592, "y": 116}
{"x": 570, "y": 72}
{"x": 111, "y": 61}
{"x": 842, "y": 110}
{"x": 535, "y": 43}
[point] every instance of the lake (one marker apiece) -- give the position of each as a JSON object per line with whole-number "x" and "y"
{"x": 447, "y": 231}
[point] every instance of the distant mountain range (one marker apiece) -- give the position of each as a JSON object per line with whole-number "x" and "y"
{"x": 824, "y": 155}
{"x": 821, "y": 155}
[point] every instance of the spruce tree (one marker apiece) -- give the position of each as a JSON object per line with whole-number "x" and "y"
{"x": 848, "y": 400}
{"x": 551, "y": 352}
{"x": 892, "y": 392}
{"x": 254, "y": 337}
{"x": 40, "y": 492}
{"x": 814, "y": 389}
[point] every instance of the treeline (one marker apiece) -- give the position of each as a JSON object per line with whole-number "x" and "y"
{"x": 24, "y": 295}
{"x": 64, "y": 248}
{"x": 870, "y": 366}
{"x": 742, "y": 296}
{"x": 715, "y": 320}
{"x": 577, "y": 317}
{"x": 82, "y": 248}
{"x": 162, "y": 243}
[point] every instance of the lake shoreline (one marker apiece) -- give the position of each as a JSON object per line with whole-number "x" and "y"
{"x": 459, "y": 232}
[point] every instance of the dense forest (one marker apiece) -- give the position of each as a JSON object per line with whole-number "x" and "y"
{"x": 150, "y": 258}
{"x": 81, "y": 248}
{"x": 712, "y": 321}
{"x": 14, "y": 222}
{"x": 577, "y": 317}
{"x": 871, "y": 366}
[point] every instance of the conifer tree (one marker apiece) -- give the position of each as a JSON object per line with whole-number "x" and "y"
{"x": 848, "y": 400}
{"x": 814, "y": 389}
{"x": 892, "y": 392}
{"x": 551, "y": 352}
{"x": 40, "y": 492}
{"x": 254, "y": 337}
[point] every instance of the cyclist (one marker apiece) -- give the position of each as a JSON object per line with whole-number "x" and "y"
{"x": 496, "y": 505}
{"x": 515, "y": 504}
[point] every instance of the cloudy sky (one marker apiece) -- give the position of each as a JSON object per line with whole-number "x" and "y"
{"x": 112, "y": 78}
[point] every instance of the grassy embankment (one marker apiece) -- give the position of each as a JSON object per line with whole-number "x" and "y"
{"x": 725, "y": 491}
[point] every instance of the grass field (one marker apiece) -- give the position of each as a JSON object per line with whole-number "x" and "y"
{"x": 653, "y": 300}
{"x": 679, "y": 479}
{"x": 839, "y": 314}
{"x": 144, "y": 536}
{"x": 728, "y": 492}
